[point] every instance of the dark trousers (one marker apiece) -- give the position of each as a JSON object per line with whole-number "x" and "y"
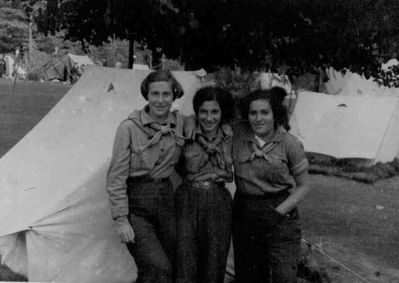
{"x": 152, "y": 216}
{"x": 203, "y": 233}
{"x": 266, "y": 244}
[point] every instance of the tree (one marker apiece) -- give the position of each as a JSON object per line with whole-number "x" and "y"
{"x": 13, "y": 29}
{"x": 302, "y": 35}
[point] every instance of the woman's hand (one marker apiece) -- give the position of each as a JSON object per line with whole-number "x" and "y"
{"x": 124, "y": 230}
{"x": 189, "y": 127}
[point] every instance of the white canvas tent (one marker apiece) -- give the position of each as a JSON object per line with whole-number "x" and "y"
{"x": 55, "y": 222}
{"x": 356, "y": 85}
{"x": 80, "y": 60}
{"x": 11, "y": 68}
{"x": 61, "y": 68}
{"x": 141, "y": 67}
{"x": 364, "y": 128}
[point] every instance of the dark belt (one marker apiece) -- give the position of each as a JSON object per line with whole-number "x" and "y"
{"x": 145, "y": 179}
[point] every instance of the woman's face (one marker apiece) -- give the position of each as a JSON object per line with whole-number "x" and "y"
{"x": 209, "y": 116}
{"x": 160, "y": 98}
{"x": 261, "y": 119}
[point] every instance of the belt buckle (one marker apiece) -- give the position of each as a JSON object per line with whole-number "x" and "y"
{"x": 206, "y": 185}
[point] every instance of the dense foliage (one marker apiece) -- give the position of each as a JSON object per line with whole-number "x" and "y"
{"x": 13, "y": 27}
{"x": 293, "y": 35}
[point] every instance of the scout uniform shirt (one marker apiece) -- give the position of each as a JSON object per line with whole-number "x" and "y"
{"x": 142, "y": 147}
{"x": 202, "y": 156}
{"x": 267, "y": 169}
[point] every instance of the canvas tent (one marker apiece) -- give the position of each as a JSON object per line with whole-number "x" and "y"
{"x": 141, "y": 67}
{"x": 62, "y": 68}
{"x": 357, "y": 85}
{"x": 55, "y": 223}
{"x": 364, "y": 128}
{"x": 11, "y": 67}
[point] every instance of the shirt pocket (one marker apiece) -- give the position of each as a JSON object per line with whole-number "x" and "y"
{"x": 144, "y": 159}
{"x": 177, "y": 151}
{"x": 278, "y": 160}
{"x": 277, "y": 168}
{"x": 194, "y": 159}
{"x": 241, "y": 153}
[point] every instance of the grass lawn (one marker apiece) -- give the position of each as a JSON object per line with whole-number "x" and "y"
{"x": 356, "y": 224}
{"x": 351, "y": 226}
{"x": 22, "y": 110}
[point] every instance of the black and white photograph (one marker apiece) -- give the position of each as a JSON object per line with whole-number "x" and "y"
{"x": 199, "y": 141}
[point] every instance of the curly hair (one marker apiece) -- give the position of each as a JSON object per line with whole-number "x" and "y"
{"x": 161, "y": 76}
{"x": 275, "y": 96}
{"x": 220, "y": 95}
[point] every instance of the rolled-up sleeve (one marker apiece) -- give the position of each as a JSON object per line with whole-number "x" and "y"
{"x": 297, "y": 161}
{"x": 118, "y": 172}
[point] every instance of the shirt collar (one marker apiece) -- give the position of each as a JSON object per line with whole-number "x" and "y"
{"x": 198, "y": 131}
{"x": 146, "y": 118}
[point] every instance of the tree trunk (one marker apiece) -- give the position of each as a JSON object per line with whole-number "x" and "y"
{"x": 131, "y": 51}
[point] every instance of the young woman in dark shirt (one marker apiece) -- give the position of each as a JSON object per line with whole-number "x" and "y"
{"x": 202, "y": 201}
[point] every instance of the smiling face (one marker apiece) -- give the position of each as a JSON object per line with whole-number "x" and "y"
{"x": 261, "y": 119}
{"x": 160, "y": 98}
{"x": 209, "y": 117}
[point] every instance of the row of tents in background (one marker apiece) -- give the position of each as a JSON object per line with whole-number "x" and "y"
{"x": 66, "y": 68}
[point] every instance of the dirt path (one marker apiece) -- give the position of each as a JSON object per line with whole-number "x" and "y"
{"x": 355, "y": 224}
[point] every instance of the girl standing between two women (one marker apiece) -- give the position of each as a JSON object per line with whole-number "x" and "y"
{"x": 267, "y": 159}
{"x": 203, "y": 204}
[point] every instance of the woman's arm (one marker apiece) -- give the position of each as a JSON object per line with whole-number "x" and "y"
{"x": 189, "y": 126}
{"x": 302, "y": 189}
{"x": 117, "y": 175}
{"x": 298, "y": 166}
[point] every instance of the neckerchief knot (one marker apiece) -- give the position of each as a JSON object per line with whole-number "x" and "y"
{"x": 213, "y": 148}
{"x": 160, "y": 130}
{"x": 261, "y": 151}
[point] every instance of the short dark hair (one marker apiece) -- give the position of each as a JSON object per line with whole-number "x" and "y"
{"x": 275, "y": 96}
{"x": 218, "y": 94}
{"x": 161, "y": 76}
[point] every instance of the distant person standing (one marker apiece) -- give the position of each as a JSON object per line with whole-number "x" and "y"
{"x": 2, "y": 66}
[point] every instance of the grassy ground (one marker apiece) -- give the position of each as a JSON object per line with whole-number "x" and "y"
{"x": 22, "y": 110}
{"x": 356, "y": 224}
{"x": 351, "y": 227}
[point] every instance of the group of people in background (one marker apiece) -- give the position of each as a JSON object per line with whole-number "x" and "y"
{"x": 184, "y": 234}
